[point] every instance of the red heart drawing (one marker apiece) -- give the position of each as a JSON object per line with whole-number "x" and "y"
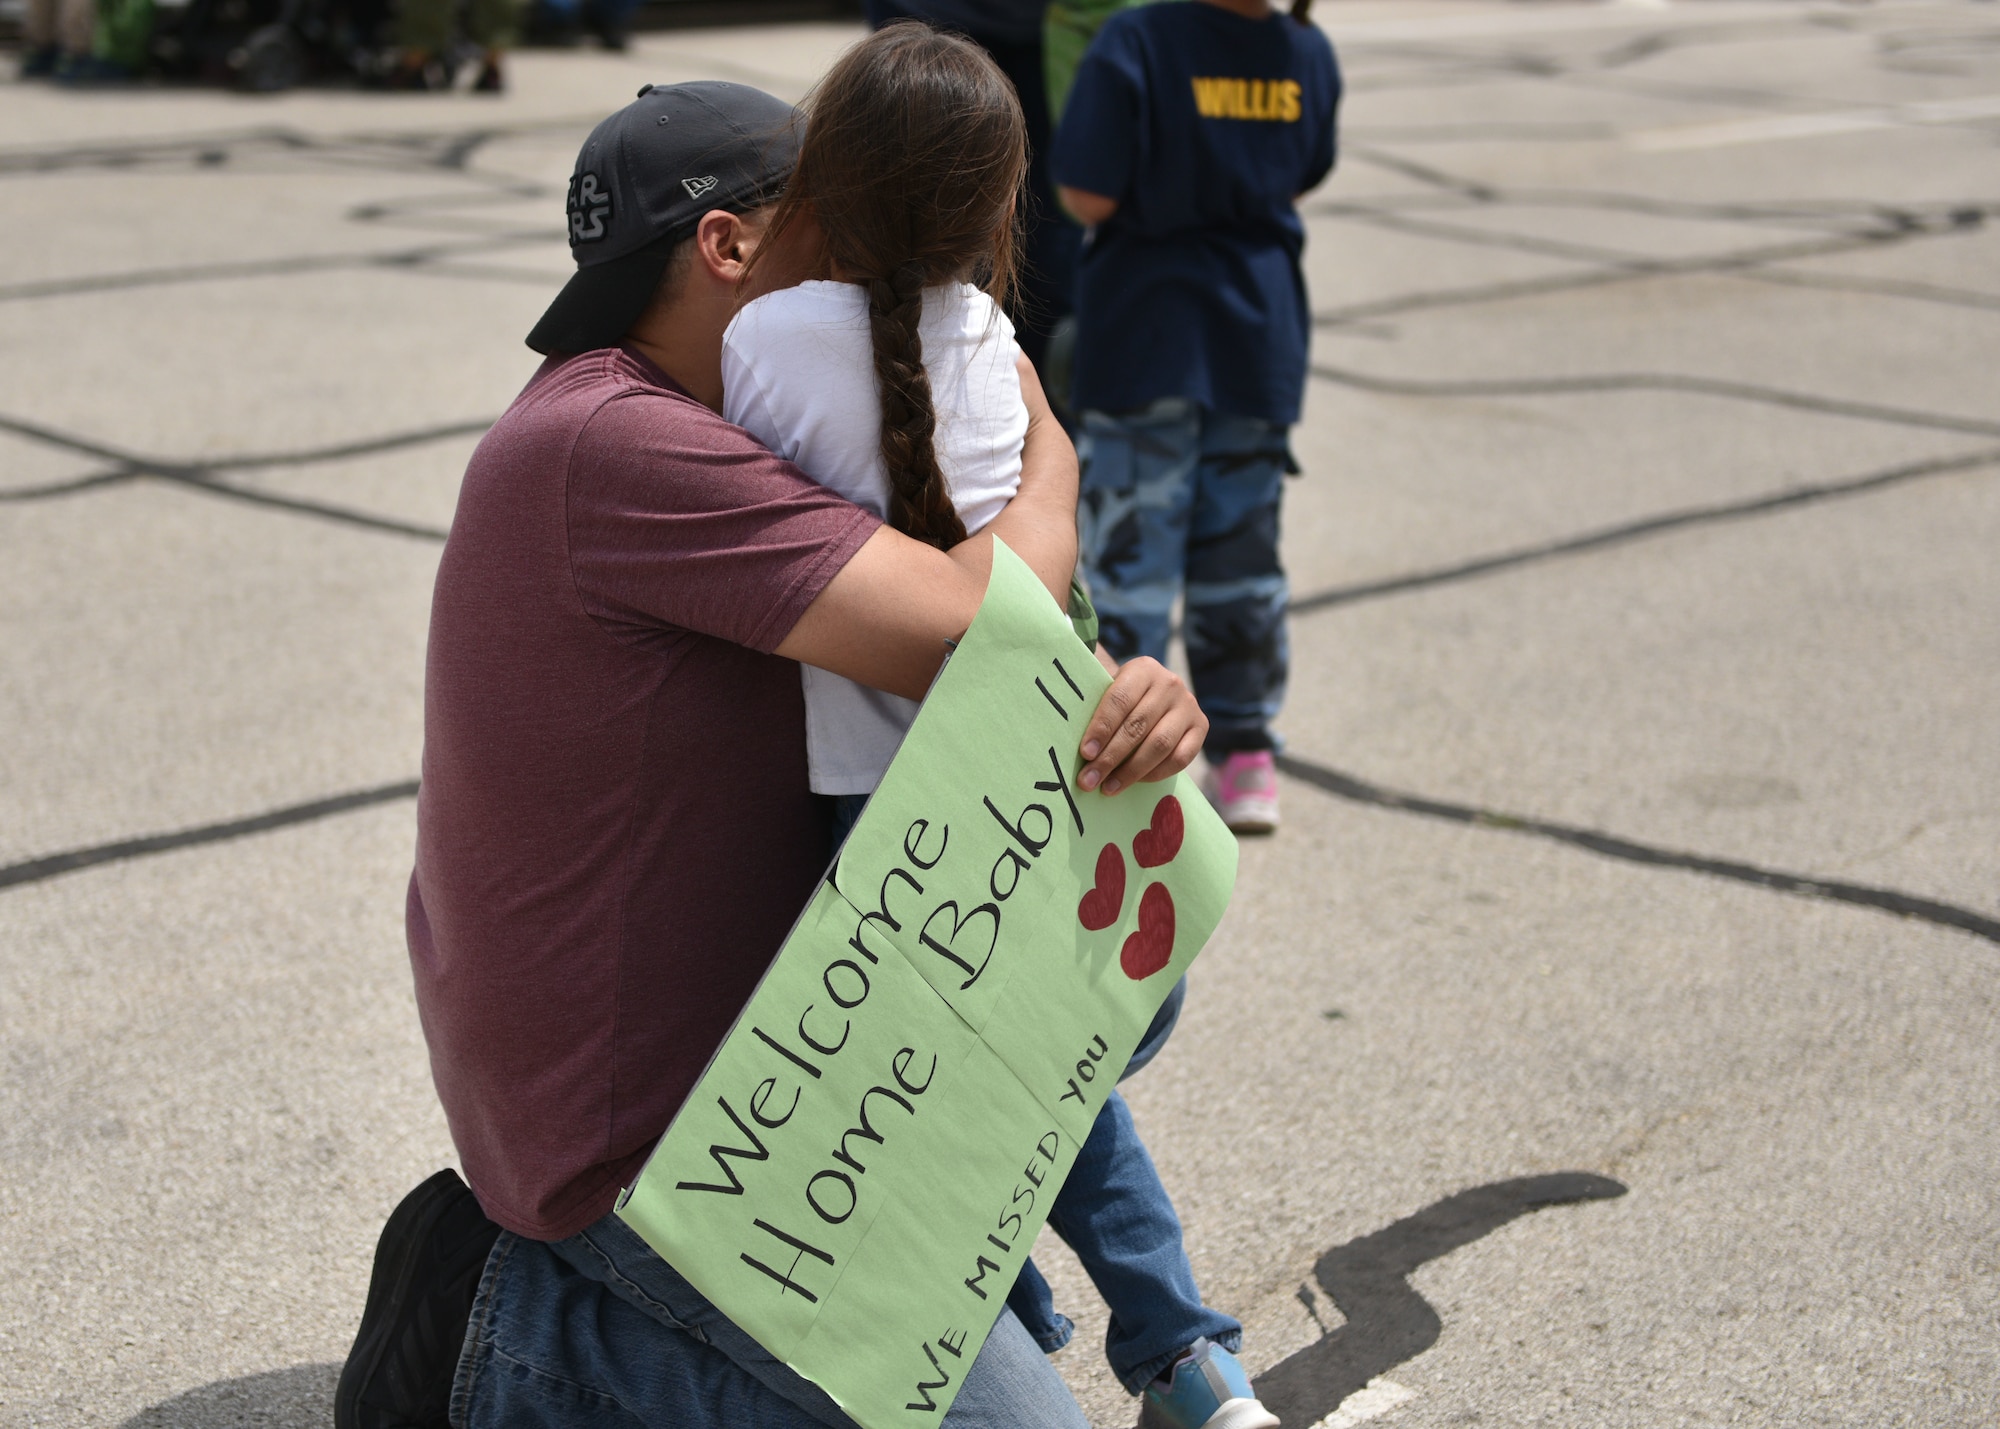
{"x": 1161, "y": 840}
{"x": 1152, "y": 947}
{"x": 1102, "y": 905}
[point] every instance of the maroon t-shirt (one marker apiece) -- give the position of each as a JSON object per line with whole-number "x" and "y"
{"x": 614, "y": 832}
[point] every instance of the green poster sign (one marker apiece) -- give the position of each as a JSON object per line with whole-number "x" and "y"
{"x": 863, "y": 1167}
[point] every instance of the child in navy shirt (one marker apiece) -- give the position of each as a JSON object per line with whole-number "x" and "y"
{"x": 1190, "y": 132}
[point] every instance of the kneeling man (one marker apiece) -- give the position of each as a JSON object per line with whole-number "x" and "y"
{"x": 615, "y": 831}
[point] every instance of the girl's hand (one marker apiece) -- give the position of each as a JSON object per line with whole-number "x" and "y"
{"x": 1147, "y": 727}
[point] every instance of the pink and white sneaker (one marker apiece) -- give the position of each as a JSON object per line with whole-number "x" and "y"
{"x": 1244, "y": 789}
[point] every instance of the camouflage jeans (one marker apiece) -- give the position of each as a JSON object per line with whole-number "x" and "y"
{"x": 1178, "y": 500}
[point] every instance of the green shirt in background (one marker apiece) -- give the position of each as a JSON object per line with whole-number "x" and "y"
{"x": 1067, "y": 31}
{"x": 124, "y": 34}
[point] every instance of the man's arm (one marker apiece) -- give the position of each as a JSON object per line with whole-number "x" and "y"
{"x": 883, "y": 620}
{"x": 885, "y": 617}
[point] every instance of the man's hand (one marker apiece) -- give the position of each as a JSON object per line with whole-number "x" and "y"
{"x": 1147, "y": 727}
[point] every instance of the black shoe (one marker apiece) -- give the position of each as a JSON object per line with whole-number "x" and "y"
{"x": 427, "y": 1268}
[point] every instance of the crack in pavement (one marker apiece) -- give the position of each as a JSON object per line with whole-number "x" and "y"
{"x": 303, "y": 456}
{"x": 1851, "y": 216}
{"x": 426, "y": 260}
{"x": 1882, "y": 900}
{"x": 398, "y": 151}
{"x": 1501, "y": 131}
{"x": 1614, "y": 268}
{"x": 1610, "y": 68}
{"x": 1854, "y": 228}
{"x": 1643, "y": 529}
{"x": 453, "y": 215}
{"x": 1319, "y": 776}
{"x": 1654, "y": 382}
{"x": 66, "y": 488}
{"x": 1859, "y": 228}
{"x": 1878, "y": 287}
{"x": 201, "y": 476}
{"x": 53, "y": 865}
{"x": 301, "y": 506}
{"x": 250, "y": 496}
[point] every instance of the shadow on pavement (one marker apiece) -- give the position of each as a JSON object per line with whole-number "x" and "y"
{"x": 1368, "y": 1279}
{"x": 297, "y": 1398}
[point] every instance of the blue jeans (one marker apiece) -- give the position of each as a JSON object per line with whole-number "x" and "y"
{"x": 1178, "y": 499}
{"x": 1118, "y": 1219}
{"x": 597, "y": 1330}
{"x": 1114, "y": 1213}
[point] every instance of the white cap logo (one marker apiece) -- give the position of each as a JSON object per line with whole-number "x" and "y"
{"x": 697, "y": 187}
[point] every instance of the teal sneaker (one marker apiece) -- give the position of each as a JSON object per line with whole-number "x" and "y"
{"x": 1205, "y": 1389}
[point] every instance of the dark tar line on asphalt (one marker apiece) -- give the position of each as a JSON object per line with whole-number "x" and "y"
{"x": 1331, "y": 781}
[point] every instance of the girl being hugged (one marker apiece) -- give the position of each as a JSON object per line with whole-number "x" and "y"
{"x": 890, "y": 373}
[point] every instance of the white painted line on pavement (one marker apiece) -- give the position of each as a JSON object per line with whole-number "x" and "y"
{"x": 1805, "y": 126}
{"x": 1371, "y": 1401}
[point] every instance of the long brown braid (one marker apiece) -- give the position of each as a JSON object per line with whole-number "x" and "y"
{"x": 910, "y": 174}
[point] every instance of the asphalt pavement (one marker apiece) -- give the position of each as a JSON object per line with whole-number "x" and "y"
{"x": 1608, "y": 1038}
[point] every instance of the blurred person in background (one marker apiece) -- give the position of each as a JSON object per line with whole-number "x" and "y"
{"x": 55, "y": 32}
{"x": 563, "y": 23}
{"x": 1011, "y": 32}
{"x": 85, "y": 41}
{"x": 425, "y": 30}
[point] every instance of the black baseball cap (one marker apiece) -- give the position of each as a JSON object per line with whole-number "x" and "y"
{"x": 642, "y": 182}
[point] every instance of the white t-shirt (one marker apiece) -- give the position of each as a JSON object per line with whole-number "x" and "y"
{"x": 798, "y": 374}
